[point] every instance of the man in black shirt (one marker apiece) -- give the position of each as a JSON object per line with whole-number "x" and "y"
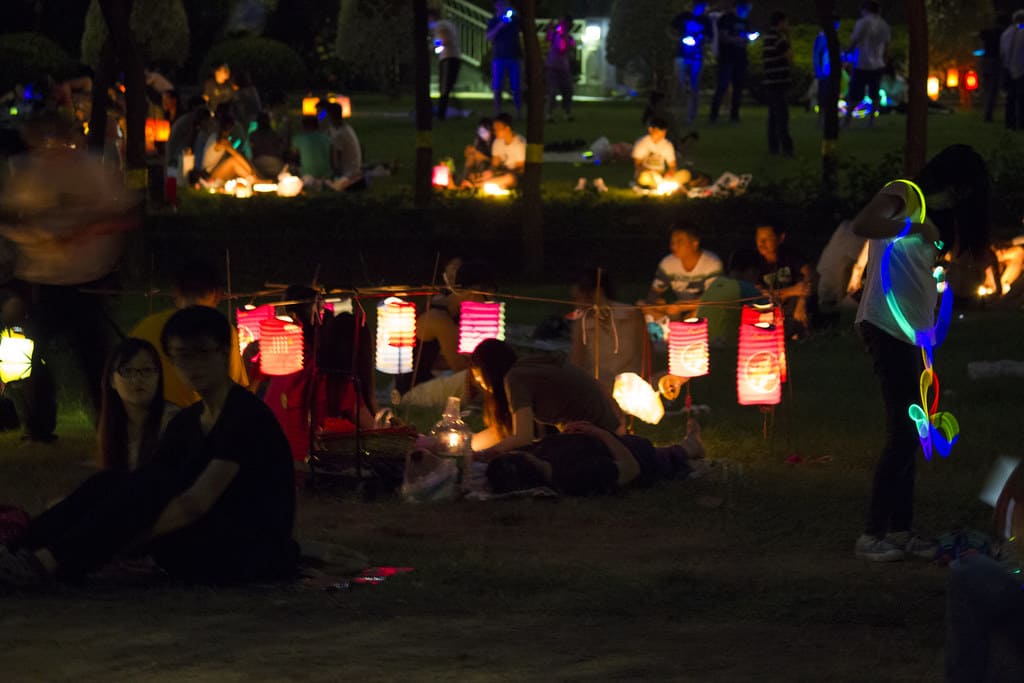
{"x": 785, "y": 275}
{"x": 218, "y": 504}
{"x": 733, "y": 36}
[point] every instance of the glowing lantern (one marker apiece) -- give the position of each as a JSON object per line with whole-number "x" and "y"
{"x": 309, "y": 106}
{"x": 952, "y": 78}
{"x": 636, "y": 397}
{"x": 768, "y": 314}
{"x": 289, "y": 186}
{"x": 479, "y": 321}
{"x": 441, "y": 176}
{"x": 758, "y": 372}
{"x": 346, "y": 104}
{"x": 688, "y": 348}
{"x": 249, "y": 319}
{"x": 666, "y": 187}
{"x": 264, "y": 187}
{"x": 15, "y": 356}
{"x": 971, "y": 80}
{"x": 396, "y": 335}
{"x": 453, "y": 436}
{"x": 156, "y": 130}
{"x": 280, "y": 347}
{"x": 495, "y": 190}
{"x": 933, "y": 87}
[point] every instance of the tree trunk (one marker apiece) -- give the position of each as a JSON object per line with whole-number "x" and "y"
{"x": 424, "y": 115}
{"x": 101, "y": 82}
{"x": 830, "y": 108}
{"x": 117, "y": 14}
{"x": 917, "y": 88}
{"x": 533, "y": 209}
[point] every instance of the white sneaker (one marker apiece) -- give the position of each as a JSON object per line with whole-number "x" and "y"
{"x": 877, "y": 549}
{"x": 912, "y": 544}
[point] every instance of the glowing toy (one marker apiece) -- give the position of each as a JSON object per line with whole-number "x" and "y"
{"x": 753, "y": 36}
{"x": 690, "y": 41}
{"x": 438, "y": 47}
{"x": 937, "y": 431}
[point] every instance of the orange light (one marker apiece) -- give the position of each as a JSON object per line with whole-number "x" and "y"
{"x": 952, "y": 78}
{"x": 933, "y": 87}
{"x": 441, "y": 176}
{"x": 971, "y": 81}
{"x": 309, "y": 106}
{"x": 157, "y": 130}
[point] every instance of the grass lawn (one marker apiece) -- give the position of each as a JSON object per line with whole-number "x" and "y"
{"x": 750, "y": 578}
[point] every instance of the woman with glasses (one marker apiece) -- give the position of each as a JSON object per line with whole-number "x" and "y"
{"x": 133, "y": 412}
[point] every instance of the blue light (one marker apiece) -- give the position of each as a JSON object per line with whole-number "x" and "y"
{"x": 979, "y": 53}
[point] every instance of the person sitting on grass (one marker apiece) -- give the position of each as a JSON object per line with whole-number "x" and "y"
{"x": 587, "y": 460}
{"x": 268, "y": 148}
{"x": 508, "y": 154}
{"x": 519, "y": 392}
{"x": 685, "y": 272}
{"x": 221, "y": 161}
{"x": 785, "y": 276}
{"x": 346, "y": 154}
{"x": 477, "y": 155}
{"x": 196, "y": 283}
{"x": 217, "y": 504}
{"x": 312, "y": 149}
{"x": 133, "y": 413}
{"x": 654, "y": 158}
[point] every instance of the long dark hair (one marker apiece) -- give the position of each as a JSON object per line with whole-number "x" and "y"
{"x": 494, "y": 358}
{"x": 961, "y": 171}
{"x": 112, "y": 434}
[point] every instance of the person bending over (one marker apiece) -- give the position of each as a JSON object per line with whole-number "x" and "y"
{"x": 518, "y": 392}
{"x": 217, "y": 505}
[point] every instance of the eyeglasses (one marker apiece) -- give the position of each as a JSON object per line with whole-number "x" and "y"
{"x": 180, "y": 356}
{"x": 141, "y": 373}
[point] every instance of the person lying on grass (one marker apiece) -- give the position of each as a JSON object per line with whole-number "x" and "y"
{"x": 216, "y": 505}
{"x": 518, "y": 392}
{"x": 586, "y": 460}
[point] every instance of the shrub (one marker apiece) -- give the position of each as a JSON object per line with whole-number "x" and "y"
{"x": 30, "y": 58}
{"x": 159, "y": 28}
{"x": 272, "y": 64}
{"x": 374, "y": 40}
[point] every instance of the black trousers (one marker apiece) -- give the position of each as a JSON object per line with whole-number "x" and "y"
{"x": 898, "y": 366}
{"x": 778, "y": 121}
{"x": 447, "y": 76}
{"x": 1014, "y": 103}
{"x": 864, "y": 81}
{"x": 732, "y": 73}
{"x": 102, "y": 516}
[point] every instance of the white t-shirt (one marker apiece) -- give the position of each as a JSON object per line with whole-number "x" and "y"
{"x": 211, "y": 155}
{"x": 870, "y": 36}
{"x": 509, "y": 155}
{"x": 837, "y": 263}
{"x": 688, "y": 285}
{"x": 910, "y": 267}
{"x": 345, "y": 141}
{"x": 655, "y": 156}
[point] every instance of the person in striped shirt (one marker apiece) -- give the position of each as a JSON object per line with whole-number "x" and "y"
{"x": 778, "y": 56}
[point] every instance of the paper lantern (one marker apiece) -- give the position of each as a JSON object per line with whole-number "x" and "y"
{"x": 971, "y": 80}
{"x": 769, "y": 314}
{"x": 264, "y": 187}
{"x": 479, "y": 321}
{"x": 15, "y": 356}
{"x": 933, "y": 87}
{"x": 495, "y": 190}
{"x": 636, "y": 397}
{"x": 688, "y": 348}
{"x": 346, "y": 104}
{"x": 952, "y": 78}
{"x": 309, "y": 106}
{"x": 441, "y": 176}
{"x": 280, "y": 347}
{"x": 289, "y": 186}
{"x": 396, "y": 335}
{"x": 666, "y": 187}
{"x": 758, "y": 372}
{"x": 248, "y": 320}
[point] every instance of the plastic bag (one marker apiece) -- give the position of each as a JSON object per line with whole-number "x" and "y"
{"x": 429, "y": 478}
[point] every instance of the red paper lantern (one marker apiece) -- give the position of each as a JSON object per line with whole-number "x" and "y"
{"x": 280, "y": 347}
{"x": 971, "y": 80}
{"x": 248, "y": 319}
{"x": 769, "y": 314}
{"x": 758, "y": 370}
{"x": 479, "y": 321}
{"x": 688, "y": 348}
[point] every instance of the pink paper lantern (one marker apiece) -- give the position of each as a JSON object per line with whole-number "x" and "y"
{"x": 442, "y": 176}
{"x": 479, "y": 321}
{"x": 688, "y": 348}
{"x": 248, "y": 319}
{"x": 771, "y": 315}
{"x": 280, "y": 347}
{"x": 758, "y": 370}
